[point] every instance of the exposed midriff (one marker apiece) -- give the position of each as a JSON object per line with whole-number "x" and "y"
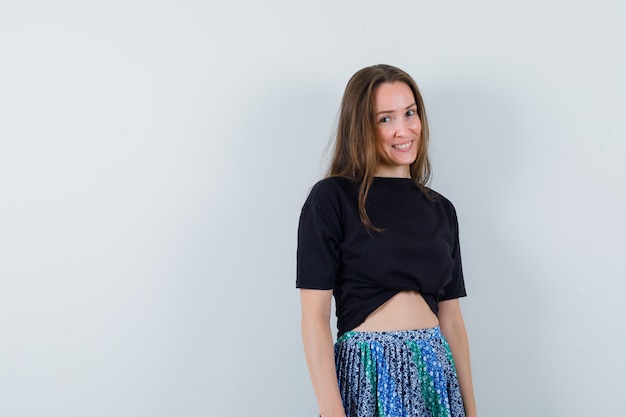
{"x": 406, "y": 310}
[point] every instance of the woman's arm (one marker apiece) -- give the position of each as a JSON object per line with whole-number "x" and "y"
{"x": 453, "y": 329}
{"x": 318, "y": 349}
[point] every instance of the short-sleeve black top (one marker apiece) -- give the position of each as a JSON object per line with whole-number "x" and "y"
{"x": 418, "y": 249}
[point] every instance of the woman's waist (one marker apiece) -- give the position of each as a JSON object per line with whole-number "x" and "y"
{"x": 406, "y": 310}
{"x": 395, "y": 336}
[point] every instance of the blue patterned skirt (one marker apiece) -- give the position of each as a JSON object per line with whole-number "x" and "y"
{"x": 406, "y": 373}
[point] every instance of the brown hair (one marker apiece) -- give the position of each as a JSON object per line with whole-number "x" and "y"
{"x": 355, "y": 156}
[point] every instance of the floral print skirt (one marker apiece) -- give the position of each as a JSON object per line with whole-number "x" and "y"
{"x": 406, "y": 373}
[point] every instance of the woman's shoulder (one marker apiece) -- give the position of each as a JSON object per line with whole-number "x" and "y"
{"x": 331, "y": 190}
{"x": 333, "y": 185}
{"x": 439, "y": 198}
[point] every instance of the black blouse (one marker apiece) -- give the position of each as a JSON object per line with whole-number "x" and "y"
{"x": 418, "y": 249}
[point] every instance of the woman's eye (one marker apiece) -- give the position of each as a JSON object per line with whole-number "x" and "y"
{"x": 410, "y": 113}
{"x": 385, "y": 119}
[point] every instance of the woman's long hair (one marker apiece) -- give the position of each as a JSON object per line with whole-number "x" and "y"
{"x": 355, "y": 154}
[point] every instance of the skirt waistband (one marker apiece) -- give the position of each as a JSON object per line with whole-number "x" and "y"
{"x": 391, "y": 336}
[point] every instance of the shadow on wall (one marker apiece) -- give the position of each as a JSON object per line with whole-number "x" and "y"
{"x": 279, "y": 137}
{"x": 478, "y": 162}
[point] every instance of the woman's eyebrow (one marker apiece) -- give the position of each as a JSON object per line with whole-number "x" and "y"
{"x": 391, "y": 111}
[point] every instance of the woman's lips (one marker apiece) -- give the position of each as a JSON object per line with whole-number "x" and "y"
{"x": 403, "y": 146}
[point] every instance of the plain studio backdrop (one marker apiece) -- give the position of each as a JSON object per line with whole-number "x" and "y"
{"x": 154, "y": 157}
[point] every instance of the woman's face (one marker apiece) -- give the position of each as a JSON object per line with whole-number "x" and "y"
{"x": 397, "y": 127}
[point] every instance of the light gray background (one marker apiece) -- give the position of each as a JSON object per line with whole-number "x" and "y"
{"x": 154, "y": 156}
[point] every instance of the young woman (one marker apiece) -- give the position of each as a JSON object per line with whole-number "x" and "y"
{"x": 387, "y": 247}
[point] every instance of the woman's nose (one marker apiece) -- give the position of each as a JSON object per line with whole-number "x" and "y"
{"x": 401, "y": 128}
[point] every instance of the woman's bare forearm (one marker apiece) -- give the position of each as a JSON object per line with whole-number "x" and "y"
{"x": 453, "y": 329}
{"x": 320, "y": 357}
{"x": 318, "y": 348}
